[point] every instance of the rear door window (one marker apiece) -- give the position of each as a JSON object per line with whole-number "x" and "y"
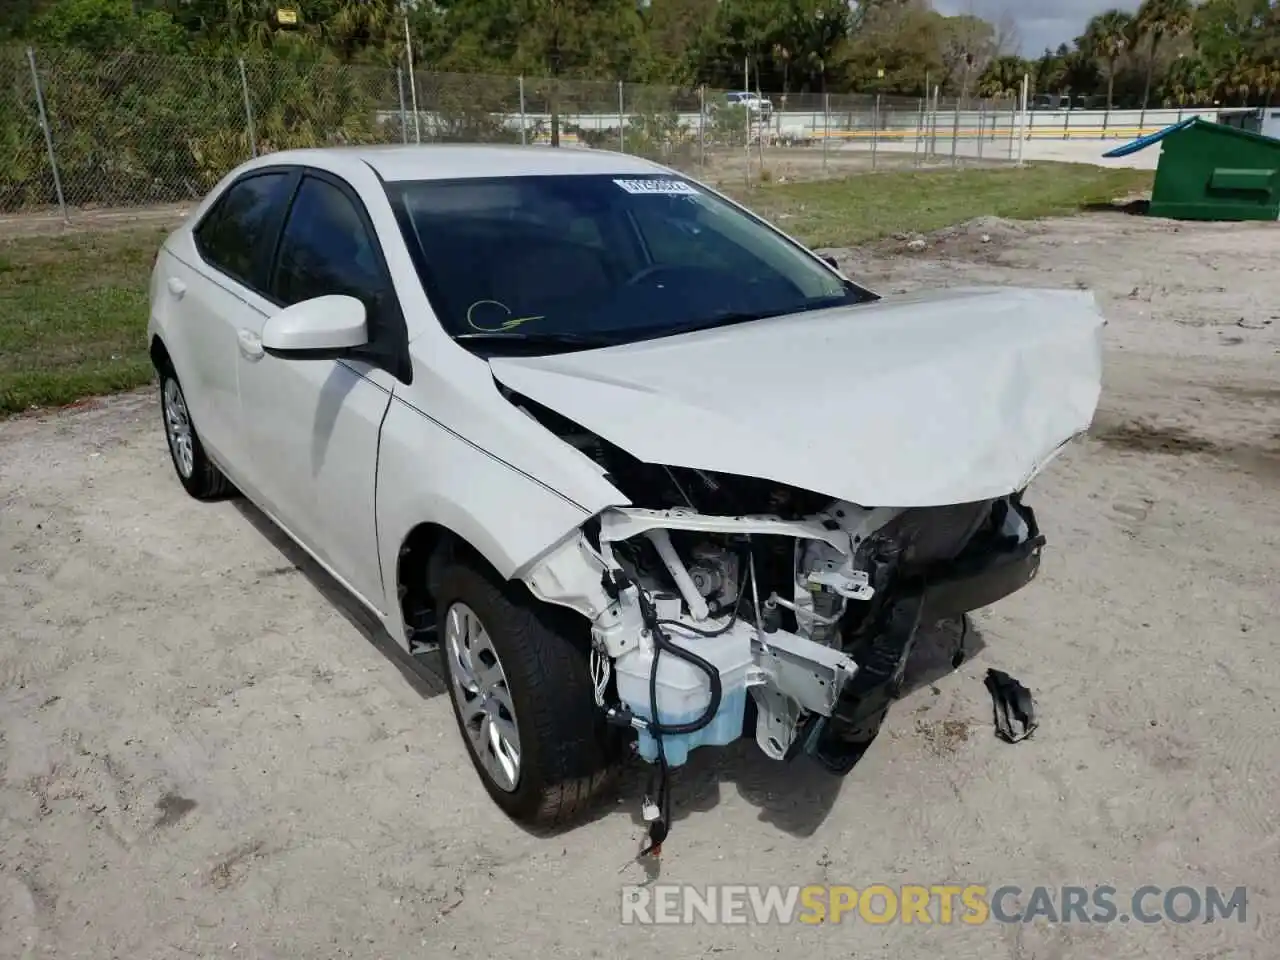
{"x": 234, "y": 236}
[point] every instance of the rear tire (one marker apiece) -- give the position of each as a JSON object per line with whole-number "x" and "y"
{"x": 196, "y": 472}
{"x": 542, "y": 697}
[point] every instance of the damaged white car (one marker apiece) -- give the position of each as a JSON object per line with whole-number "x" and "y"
{"x": 639, "y": 472}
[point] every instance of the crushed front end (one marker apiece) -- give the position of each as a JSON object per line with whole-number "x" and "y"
{"x": 756, "y": 609}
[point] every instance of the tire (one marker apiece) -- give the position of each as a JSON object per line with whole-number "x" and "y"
{"x": 567, "y": 753}
{"x": 197, "y": 474}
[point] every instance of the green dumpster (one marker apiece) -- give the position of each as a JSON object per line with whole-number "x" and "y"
{"x": 1209, "y": 171}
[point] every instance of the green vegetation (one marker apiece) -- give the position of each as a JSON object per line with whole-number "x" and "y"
{"x": 863, "y": 209}
{"x": 1170, "y": 51}
{"x": 73, "y": 309}
{"x": 73, "y": 315}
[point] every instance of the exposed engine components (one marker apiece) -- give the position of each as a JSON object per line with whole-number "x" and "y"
{"x": 693, "y": 616}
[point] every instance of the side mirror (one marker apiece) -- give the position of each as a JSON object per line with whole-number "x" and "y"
{"x": 830, "y": 261}
{"x": 323, "y": 328}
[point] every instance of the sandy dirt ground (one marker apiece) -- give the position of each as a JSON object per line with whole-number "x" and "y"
{"x": 204, "y": 752}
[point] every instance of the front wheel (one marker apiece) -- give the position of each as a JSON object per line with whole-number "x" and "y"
{"x": 523, "y": 698}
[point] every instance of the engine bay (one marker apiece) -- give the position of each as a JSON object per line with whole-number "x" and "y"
{"x": 747, "y": 560}
{"x": 724, "y": 591}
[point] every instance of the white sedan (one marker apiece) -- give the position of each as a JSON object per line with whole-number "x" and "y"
{"x": 638, "y": 472}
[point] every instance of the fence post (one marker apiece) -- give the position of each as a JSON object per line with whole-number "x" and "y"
{"x": 404, "y": 116}
{"x": 248, "y": 110}
{"x": 48, "y": 135}
{"x": 826, "y": 129}
{"x": 1022, "y": 136}
{"x": 915, "y": 147}
{"x": 702, "y": 120}
{"x": 875, "y": 131}
{"x": 933, "y": 122}
{"x": 622, "y": 130}
{"x": 1013, "y": 125}
{"x": 760, "y": 129}
{"x": 524, "y": 122}
{"x": 413, "y": 90}
{"x": 955, "y": 132}
{"x": 982, "y": 124}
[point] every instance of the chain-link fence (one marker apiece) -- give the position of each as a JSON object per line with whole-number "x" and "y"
{"x": 85, "y": 132}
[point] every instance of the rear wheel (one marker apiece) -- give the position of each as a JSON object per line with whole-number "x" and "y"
{"x": 196, "y": 472}
{"x": 523, "y": 698}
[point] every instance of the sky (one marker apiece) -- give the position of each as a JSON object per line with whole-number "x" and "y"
{"x": 1040, "y": 23}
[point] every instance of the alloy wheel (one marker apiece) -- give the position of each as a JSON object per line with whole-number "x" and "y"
{"x": 480, "y": 691}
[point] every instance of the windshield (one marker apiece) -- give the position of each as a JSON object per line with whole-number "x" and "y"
{"x": 582, "y": 260}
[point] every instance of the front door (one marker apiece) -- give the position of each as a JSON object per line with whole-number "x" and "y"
{"x": 312, "y": 426}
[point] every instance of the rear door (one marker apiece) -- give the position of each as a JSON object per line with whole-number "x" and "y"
{"x": 211, "y": 285}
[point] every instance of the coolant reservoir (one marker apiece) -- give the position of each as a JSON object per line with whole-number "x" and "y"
{"x": 684, "y": 690}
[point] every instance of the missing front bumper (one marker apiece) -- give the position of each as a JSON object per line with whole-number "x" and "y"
{"x": 976, "y": 579}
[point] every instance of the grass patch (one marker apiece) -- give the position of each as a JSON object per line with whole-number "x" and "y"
{"x": 841, "y": 213}
{"x": 73, "y": 308}
{"x": 73, "y": 315}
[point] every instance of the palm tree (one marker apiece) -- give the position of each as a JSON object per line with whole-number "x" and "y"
{"x": 1002, "y": 79}
{"x": 1107, "y": 37}
{"x": 1158, "y": 20}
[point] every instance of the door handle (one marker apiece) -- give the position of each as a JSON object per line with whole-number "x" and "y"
{"x": 250, "y": 344}
{"x": 177, "y": 287}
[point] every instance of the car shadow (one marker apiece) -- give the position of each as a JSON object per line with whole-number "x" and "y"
{"x": 423, "y": 682}
{"x": 796, "y": 796}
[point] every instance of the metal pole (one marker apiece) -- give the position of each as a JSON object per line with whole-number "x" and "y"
{"x": 826, "y": 129}
{"x": 404, "y": 116}
{"x": 48, "y": 135}
{"x": 875, "y": 131}
{"x": 955, "y": 132}
{"x": 702, "y": 122}
{"x": 915, "y": 147}
{"x": 933, "y": 122}
{"x": 1022, "y": 137}
{"x": 248, "y": 109}
{"x": 622, "y": 130}
{"x": 760, "y": 129}
{"x": 982, "y": 124}
{"x": 524, "y": 123}
{"x": 413, "y": 84}
{"x": 746, "y": 85}
{"x": 1013, "y": 126}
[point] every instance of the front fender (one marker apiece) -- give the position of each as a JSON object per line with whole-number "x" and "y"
{"x": 428, "y": 474}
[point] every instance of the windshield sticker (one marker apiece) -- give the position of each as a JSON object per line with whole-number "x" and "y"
{"x": 662, "y": 187}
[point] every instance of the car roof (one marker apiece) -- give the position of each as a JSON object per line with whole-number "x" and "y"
{"x": 441, "y": 161}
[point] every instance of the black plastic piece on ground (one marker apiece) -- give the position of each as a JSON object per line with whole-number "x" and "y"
{"x": 1015, "y": 711}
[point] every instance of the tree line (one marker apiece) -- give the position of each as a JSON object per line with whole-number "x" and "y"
{"x": 1168, "y": 52}
{"x": 151, "y": 101}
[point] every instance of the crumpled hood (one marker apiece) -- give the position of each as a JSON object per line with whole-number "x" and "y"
{"x": 950, "y": 396}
